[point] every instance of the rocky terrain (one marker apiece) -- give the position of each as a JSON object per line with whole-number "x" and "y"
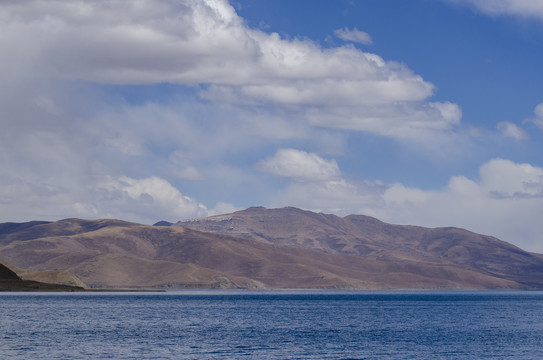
{"x": 265, "y": 249}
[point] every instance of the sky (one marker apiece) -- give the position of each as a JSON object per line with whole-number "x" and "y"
{"x": 421, "y": 112}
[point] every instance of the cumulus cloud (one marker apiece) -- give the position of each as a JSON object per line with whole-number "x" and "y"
{"x": 141, "y": 200}
{"x": 506, "y": 179}
{"x": 511, "y": 130}
{"x": 300, "y": 165}
{"x": 402, "y": 121}
{"x": 206, "y": 43}
{"x": 58, "y": 163}
{"x": 524, "y": 8}
{"x": 144, "y": 200}
{"x": 499, "y": 180}
{"x": 354, "y": 35}
{"x": 149, "y": 195}
{"x": 68, "y": 146}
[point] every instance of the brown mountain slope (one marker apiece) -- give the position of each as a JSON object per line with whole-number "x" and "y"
{"x": 11, "y": 281}
{"x": 60, "y": 277}
{"x": 372, "y": 239}
{"x": 116, "y": 254}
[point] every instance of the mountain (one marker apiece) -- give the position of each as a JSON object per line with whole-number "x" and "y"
{"x": 267, "y": 249}
{"x": 107, "y": 254}
{"x": 370, "y": 238}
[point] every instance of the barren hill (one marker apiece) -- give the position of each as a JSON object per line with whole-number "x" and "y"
{"x": 267, "y": 249}
{"x": 370, "y": 238}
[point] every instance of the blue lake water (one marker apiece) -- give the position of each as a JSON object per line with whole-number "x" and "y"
{"x": 272, "y": 325}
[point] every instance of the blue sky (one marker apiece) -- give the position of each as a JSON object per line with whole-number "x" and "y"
{"x": 416, "y": 112}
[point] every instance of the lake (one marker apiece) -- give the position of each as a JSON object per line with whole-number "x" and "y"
{"x": 272, "y": 325}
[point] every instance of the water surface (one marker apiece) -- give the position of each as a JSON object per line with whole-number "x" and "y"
{"x": 272, "y": 325}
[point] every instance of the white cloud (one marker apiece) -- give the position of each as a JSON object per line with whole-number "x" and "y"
{"x": 524, "y": 8}
{"x": 64, "y": 136}
{"x": 506, "y": 179}
{"x": 67, "y": 147}
{"x": 300, "y": 165}
{"x": 54, "y": 157}
{"x": 403, "y": 121}
{"x": 206, "y": 43}
{"x": 300, "y": 73}
{"x": 140, "y": 200}
{"x": 125, "y": 197}
{"x": 354, "y": 35}
{"x": 511, "y": 130}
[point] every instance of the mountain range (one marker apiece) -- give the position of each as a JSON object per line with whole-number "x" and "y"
{"x": 260, "y": 248}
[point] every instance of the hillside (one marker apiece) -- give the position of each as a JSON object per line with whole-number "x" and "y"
{"x": 11, "y": 281}
{"x": 267, "y": 249}
{"x": 370, "y": 238}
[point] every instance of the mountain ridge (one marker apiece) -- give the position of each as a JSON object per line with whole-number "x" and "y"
{"x": 366, "y": 236}
{"x": 263, "y": 248}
